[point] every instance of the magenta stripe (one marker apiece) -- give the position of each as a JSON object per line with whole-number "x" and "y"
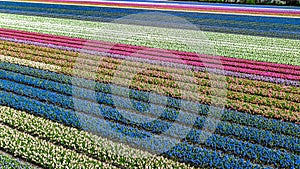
{"x": 228, "y": 68}
{"x": 156, "y": 51}
{"x": 191, "y": 63}
{"x": 119, "y": 49}
{"x": 150, "y": 51}
{"x": 167, "y": 64}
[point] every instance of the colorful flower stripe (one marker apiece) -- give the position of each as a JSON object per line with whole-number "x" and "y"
{"x": 147, "y": 79}
{"x": 110, "y": 47}
{"x": 13, "y": 118}
{"x": 106, "y": 76}
{"x": 66, "y": 102}
{"x": 73, "y": 28}
{"x": 95, "y": 125}
{"x": 283, "y": 163}
{"x": 198, "y": 8}
{"x": 148, "y": 83}
{"x": 79, "y": 43}
{"x": 192, "y": 59}
{"x": 61, "y": 84}
{"x": 94, "y": 122}
{"x": 255, "y": 83}
{"x": 250, "y": 25}
{"x": 71, "y": 57}
{"x": 49, "y": 39}
{"x": 81, "y": 141}
{"x": 33, "y": 64}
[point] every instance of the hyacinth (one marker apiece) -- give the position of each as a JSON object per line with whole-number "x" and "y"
{"x": 94, "y": 86}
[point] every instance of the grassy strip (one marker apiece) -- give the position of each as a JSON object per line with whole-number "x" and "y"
{"x": 84, "y": 142}
{"x": 99, "y": 30}
{"x": 167, "y": 86}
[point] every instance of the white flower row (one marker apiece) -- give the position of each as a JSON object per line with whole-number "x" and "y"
{"x": 30, "y": 63}
{"x": 240, "y": 46}
{"x": 146, "y": 32}
{"x": 81, "y": 141}
{"x": 43, "y": 152}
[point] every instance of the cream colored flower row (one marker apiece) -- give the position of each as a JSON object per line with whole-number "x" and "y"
{"x": 43, "y": 152}
{"x": 232, "y": 45}
{"x": 78, "y": 141}
{"x": 29, "y": 63}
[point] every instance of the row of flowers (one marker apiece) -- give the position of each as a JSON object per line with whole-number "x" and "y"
{"x": 112, "y": 63}
{"x": 146, "y": 83}
{"x": 123, "y": 113}
{"x": 43, "y": 152}
{"x": 27, "y": 82}
{"x": 181, "y": 57}
{"x": 66, "y": 85}
{"x": 11, "y": 163}
{"x": 103, "y": 128}
{"x": 216, "y": 7}
{"x": 280, "y": 159}
{"x": 232, "y": 77}
{"x": 83, "y": 142}
{"x": 69, "y": 56}
{"x": 73, "y": 28}
{"x": 276, "y": 46}
{"x": 101, "y": 97}
{"x": 199, "y": 62}
{"x": 270, "y": 27}
{"x": 104, "y": 63}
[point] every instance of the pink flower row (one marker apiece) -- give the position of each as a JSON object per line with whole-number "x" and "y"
{"x": 231, "y": 64}
{"x": 146, "y": 50}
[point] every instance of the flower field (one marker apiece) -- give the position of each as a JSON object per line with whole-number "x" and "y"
{"x": 126, "y": 84}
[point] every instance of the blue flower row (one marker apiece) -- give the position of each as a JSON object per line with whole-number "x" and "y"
{"x": 240, "y": 24}
{"x": 120, "y": 12}
{"x": 225, "y": 4}
{"x": 185, "y": 151}
{"x": 247, "y": 150}
{"x": 254, "y": 151}
{"x": 63, "y": 84}
{"x": 156, "y": 126}
{"x": 196, "y": 155}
